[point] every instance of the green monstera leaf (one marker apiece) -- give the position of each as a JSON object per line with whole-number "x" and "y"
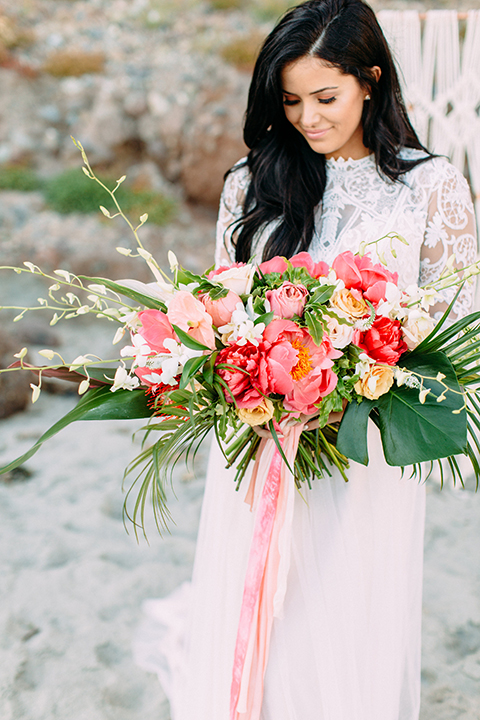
{"x": 411, "y": 431}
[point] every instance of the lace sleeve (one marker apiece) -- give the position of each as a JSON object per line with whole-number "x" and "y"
{"x": 231, "y": 209}
{"x": 450, "y": 230}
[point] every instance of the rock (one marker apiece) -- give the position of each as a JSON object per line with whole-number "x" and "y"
{"x": 14, "y": 386}
{"x": 211, "y": 146}
{"x": 147, "y": 176}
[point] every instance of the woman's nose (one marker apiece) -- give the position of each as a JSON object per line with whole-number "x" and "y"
{"x": 310, "y": 115}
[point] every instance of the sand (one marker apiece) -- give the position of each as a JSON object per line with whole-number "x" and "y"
{"x": 73, "y": 581}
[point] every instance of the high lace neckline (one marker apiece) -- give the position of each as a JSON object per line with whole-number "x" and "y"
{"x": 342, "y": 163}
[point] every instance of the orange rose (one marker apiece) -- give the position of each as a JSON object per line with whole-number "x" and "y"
{"x": 378, "y": 380}
{"x": 258, "y": 415}
{"x": 350, "y": 302}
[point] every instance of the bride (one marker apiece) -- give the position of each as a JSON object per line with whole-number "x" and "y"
{"x": 333, "y": 161}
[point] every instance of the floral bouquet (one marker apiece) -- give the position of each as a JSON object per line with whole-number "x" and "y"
{"x": 281, "y": 345}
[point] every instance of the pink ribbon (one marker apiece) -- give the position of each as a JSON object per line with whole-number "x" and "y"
{"x": 265, "y": 580}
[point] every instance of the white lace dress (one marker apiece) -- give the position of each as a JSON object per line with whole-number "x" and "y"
{"x": 347, "y": 646}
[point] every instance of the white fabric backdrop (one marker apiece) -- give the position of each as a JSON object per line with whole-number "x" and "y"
{"x": 438, "y": 54}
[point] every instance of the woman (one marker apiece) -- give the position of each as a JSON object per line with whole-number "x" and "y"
{"x": 333, "y": 161}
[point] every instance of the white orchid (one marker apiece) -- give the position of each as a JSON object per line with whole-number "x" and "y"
{"x": 140, "y": 350}
{"x": 170, "y": 364}
{"x": 123, "y": 380}
{"x": 241, "y": 328}
{"x": 393, "y": 306}
{"x": 363, "y": 365}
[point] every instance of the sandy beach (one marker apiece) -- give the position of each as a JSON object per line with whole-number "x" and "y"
{"x": 73, "y": 580}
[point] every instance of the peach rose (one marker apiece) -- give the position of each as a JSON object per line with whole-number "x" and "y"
{"x": 258, "y": 415}
{"x": 189, "y": 315}
{"x": 378, "y": 380}
{"x": 418, "y": 325}
{"x": 350, "y": 302}
{"x": 220, "y": 310}
{"x": 238, "y": 277}
{"x": 341, "y": 334}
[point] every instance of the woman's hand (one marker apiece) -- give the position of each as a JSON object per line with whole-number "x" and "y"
{"x": 311, "y": 422}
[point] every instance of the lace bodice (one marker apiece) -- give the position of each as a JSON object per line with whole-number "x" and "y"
{"x": 432, "y": 209}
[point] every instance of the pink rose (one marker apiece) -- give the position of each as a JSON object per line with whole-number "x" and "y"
{"x": 304, "y": 259}
{"x": 220, "y": 310}
{"x": 155, "y": 329}
{"x": 276, "y": 264}
{"x": 189, "y": 315}
{"x": 287, "y": 300}
{"x": 346, "y": 269}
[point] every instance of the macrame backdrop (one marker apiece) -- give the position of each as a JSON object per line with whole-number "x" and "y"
{"x": 438, "y": 54}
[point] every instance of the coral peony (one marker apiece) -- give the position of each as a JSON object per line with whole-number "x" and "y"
{"x": 242, "y": 379}
{"x": 304, "y": 259}
{"x": 276, "y": 265}
{"x": 383, "y": 342}
{"x": 346, "y": 269}
{"x": 279, "y": 357}
{"x": 372, "y": 274}
{"x": 313, "y": 378}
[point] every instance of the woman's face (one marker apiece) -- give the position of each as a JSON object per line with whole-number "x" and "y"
{"x": 325, "y": 106}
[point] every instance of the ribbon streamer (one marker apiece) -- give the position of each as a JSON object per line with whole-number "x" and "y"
{"x": 266, "y": 576}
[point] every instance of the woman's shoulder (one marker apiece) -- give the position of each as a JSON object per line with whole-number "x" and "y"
{"x": 433, "y": 172}
{"x": 238, "y": 175}
{"x": 235, "y": 187}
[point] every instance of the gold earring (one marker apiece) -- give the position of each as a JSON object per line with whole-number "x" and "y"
{"x": 367, "y": 97}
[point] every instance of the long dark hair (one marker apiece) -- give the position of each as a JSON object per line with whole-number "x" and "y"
{"x": 287, "y": 177}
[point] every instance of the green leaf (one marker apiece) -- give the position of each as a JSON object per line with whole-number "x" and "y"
{"x": 185, "y": 277}
{"x": 322, "y": 294}
{"x": 117, "y": 287}
{"x": 209, "y": 368}
{"x": 188, "y": 341}
{"x": 352, "y": 433}
{"x": 313, "y": 320}
{"x": 190, "y": 368}
{"x": 97, "y": 404}
{"x": 217, "y": 292}
{"x": 265, "y": 318}
{"x": 411, "y": 432}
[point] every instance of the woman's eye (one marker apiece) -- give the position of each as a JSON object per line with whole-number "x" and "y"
{"x": 286, "y": 101}
{"x": 326, "y": 101}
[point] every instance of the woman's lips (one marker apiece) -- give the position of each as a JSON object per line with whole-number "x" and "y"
{"x": 315, "y": 134}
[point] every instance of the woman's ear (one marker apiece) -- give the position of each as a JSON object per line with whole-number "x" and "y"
{"x": 376, "y": 72}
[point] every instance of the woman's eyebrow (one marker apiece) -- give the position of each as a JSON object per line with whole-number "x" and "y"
{"x": 332, "y": 87}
